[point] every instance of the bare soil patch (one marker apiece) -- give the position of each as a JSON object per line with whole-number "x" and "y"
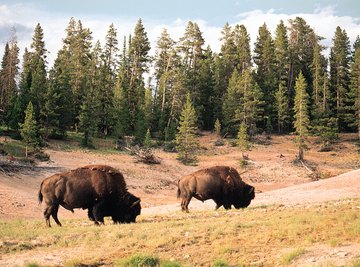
{"x": 271, "y": 170}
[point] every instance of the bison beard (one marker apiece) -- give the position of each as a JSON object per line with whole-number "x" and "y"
{"x": 220, "y": 183}
{"x": 99, "y": 188}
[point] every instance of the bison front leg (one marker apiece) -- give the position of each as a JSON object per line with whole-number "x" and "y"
{"x": 97, "y": 213}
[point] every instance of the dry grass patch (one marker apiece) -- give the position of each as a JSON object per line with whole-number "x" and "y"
{"x": 251, "y": 236}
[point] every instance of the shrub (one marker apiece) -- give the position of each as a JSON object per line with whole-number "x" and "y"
{"x": 221, "y": 263}
{"x": 142, "y": 261}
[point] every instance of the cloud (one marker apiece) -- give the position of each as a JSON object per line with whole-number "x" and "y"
{"x": 25, "y": 17}
{"x": 324, "y": 21}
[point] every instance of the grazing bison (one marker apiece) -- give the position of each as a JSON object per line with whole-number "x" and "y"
{"x": 99, "y": 188}
{"x": 220, "y": 183}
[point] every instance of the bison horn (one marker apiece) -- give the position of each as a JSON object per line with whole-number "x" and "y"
{"x": 251, "y": 190}
{"x": 135, "y": 203}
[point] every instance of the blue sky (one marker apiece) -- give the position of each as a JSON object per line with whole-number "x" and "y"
{"x": 211, "y": 15}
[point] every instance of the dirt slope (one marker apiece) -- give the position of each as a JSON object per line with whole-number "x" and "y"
{"x": 271, "y": 170}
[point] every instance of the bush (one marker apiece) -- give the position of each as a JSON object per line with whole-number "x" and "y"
{"x": 142, "y": 261}
{"x": 221, "y": 263}
{"x": 170, "y": 264}
{"x": 41, "y": 155}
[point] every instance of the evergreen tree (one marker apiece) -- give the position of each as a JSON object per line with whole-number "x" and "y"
{"x": 195, "y": 66}
{"x": 302, "y": 121}
{"x": 252, "y": 108}
{"x": 77, "y": 48}
{"x": 281, "y": 46}
{"x": 58, "y": 99}
{"x": 121, "y": 103}
{"x": 8, "y": 75}
{"x": 147, "y": 141}
{"x": 243, "y": 51}
{"x": 108, "y": 80}
{"x": 186, "y": 142}
{"x": 39, "y": 83}
{"x": 17, "y": 115}
{"x": 354, "y": 95}
{"x": 265, "y": 76}
{"x": 139, "y": 47}
{"x": 243, "y": 103}
{"x": 243, "y": 139}
{"x": 340, "y": 74}
{"x": 232, "y": 101}
{"x": 28, "y": 129}
{"x": 282, "y": 107}
{"x": 302, "y": 40}
{"x": 90, "y": 107}
{"x": 217, "y": 128}
{"x": 166, "y": 63}
{"x": 206, "y": 103}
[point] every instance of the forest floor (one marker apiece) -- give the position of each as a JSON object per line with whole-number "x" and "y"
{"x": 272, "y": 169}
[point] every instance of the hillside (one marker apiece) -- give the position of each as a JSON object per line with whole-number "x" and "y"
{"x": 290, "y": 215}
{"x": 271, "y": 167}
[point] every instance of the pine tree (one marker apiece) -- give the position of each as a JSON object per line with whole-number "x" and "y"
{"x": 108, "y": 80}
{"x": 323, "y": 124}
{"x": 147, "y": 141}
{"x": 340, "y": 74}
{"x": 186, "y": 142}
{"x": 217, "y": 128}
{"x": 282, "y": 107}
{"x": 28, "y": 129}
{"x": 302, "y": 40}
{"x": 58, "y": 99}
{"x": 243, "y": 139}
{"x": 354, "y": 95}
{"x": 265, "y": 75}
{"x": 139, "y": 47}
{"x": 121, "y": 103}
{"x": 195, "y": 65}
{"x": 39, "y": 83}
{"x": 17, "y": 115}
{"x": 281, "y": 46}
{"x": 243, "y": 51}
{"x": 302, "y": 121}
{"x": 251, "y": 106}
{"x": 90, "y": 107}
{"x": 232, "y": 101}
{"x": 8, "y": 75}
{"x": 77, "y": 48}
{"x": 206, "y": 107}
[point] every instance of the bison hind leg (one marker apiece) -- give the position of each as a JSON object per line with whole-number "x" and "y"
{"x": 54, "y": 212}
{"x": 47, "y": 214}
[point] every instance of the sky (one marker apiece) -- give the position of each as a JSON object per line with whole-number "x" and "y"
{"x": 211, "y": 15}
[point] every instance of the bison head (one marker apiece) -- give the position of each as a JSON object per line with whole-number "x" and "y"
{"x": 244, "y": 197}
{"x": 127, "y": 210}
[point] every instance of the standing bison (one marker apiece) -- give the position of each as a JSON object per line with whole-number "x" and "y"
{"x": 99, "y": 188}
{"x": 220, "y": 183}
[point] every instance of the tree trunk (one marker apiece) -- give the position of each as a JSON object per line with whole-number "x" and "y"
{"x": 26, "y": 151}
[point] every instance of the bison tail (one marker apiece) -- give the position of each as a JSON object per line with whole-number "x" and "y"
{"x": 178, "y": 193}
{"x": 40, "y": 196}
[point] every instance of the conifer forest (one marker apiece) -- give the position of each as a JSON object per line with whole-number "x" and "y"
{"x": 285, "y": 84}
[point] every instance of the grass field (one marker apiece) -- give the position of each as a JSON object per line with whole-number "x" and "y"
{"x": 262, "y": 236}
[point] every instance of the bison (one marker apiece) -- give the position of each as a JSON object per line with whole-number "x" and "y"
{"x": 220, "y": 183}
{"x": 99, "y": 188}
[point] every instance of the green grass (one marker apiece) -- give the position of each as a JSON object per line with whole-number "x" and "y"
{"x": 250, "y": 236}
{"x": 15, "y": 148}
{"x": 289, "y": 257}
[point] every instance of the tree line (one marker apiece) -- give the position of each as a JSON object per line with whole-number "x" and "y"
{"x": 285, "y": 85}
